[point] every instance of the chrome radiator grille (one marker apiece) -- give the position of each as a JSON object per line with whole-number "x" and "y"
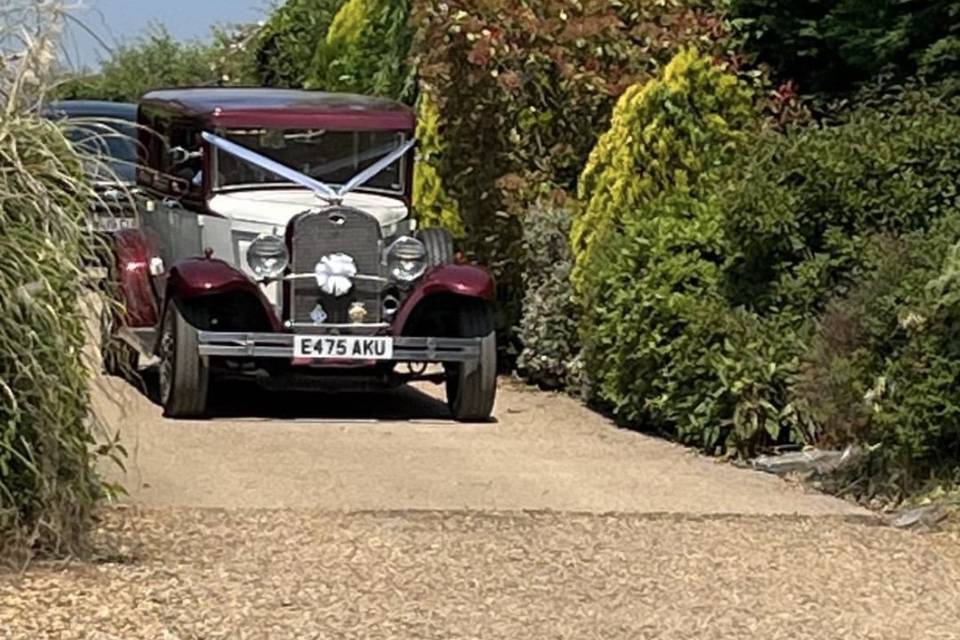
{"x": 335, "y": 230}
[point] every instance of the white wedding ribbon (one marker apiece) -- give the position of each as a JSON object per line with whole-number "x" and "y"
{"x": 335, "y": 274}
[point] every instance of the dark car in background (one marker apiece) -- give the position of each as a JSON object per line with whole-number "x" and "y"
{"x": 107, "y": 130}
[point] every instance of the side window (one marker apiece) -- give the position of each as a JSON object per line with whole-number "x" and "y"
{"x": 151, "y": 148}
{"x": 185, "y": 159}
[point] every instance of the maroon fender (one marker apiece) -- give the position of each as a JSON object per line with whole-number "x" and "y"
{"x": 132, "y": 277}
{"x": 195, "y": 277}
{"x": 461, "y": 280}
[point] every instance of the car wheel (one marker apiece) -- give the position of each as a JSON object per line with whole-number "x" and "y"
{"x": 472, "y": 386}
{"x": 439, "y": 245}
{"x": 184, "y": 374}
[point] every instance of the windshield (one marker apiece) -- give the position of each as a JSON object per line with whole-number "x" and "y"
{"x": 114, "y": 143}
{"x": 332, "y": 157}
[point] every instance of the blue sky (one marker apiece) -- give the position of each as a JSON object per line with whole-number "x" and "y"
{"x": 118, "y": 21}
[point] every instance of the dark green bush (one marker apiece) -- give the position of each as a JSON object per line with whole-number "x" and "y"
{"x": 847, "y": 224}
{"x": 777, "y": 289}
{"x": 288, "y": 42}
{"x": 548, "y": 327}
{"x": 834, "y": 47}
{"x": 801, "y": 206}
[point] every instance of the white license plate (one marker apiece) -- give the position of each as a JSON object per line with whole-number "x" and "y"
{"x": 343, "y": 347}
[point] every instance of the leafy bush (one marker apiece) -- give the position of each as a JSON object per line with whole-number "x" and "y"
{"x": 548, "y": 327}
{"x": 883, "y": 366}
{"x": 288, "y": 42}
{"x": 158, "y": 61}
{"x": 366, "y": 50}
{"x": 851, "y": 224}
{"x": 833, "y": 47}
{"x": 704, "y": 265}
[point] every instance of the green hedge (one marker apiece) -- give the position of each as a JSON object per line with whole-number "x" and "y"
{"x": 742, "y": 287}
{"x": 156, "y": 61}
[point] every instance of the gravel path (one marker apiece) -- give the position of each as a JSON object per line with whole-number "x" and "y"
{"x": 374, "y": 516}
{"x": 401, "y": 451}
{"x": 179, "y": 574}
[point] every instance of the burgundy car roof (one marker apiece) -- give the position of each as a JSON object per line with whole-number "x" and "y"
{"x": 283, "y": 108}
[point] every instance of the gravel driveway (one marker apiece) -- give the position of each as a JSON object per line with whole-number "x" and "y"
{"x": 549, "y": 523}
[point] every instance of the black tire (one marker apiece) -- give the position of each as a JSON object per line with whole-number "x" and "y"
{"x": 439, "y": 245}
{"x": 184, "y": 374}
{"x": 472, "y": 386}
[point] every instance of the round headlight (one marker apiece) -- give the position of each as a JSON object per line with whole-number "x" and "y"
{"x": 267, "y": 256}
{"x": 407, "y": 259}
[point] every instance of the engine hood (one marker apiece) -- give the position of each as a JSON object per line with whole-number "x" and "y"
{"x": 275, "y": 207}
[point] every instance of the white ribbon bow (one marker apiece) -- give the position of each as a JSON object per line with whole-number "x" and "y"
{"x": 334, "y": 274}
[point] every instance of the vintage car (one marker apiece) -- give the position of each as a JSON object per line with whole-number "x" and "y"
{"x": 106, "y": 130}
{"x": 276, "y": 244}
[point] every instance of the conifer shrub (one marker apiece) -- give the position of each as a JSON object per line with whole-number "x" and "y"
{"x": 433, "y": 206}
{"x": 366, "y": 50}
{"x": 661, "y": 346}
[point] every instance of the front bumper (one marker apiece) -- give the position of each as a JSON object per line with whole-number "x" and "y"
{"x": 280, "y": 345}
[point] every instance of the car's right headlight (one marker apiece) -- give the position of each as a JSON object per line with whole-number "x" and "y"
{"x": 267, "y": 256}
{"x": 407, "y": 259}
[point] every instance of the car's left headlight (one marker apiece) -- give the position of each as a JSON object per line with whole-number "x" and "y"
{"x": 267, "y": 256}
{"x": 407, "y": 259}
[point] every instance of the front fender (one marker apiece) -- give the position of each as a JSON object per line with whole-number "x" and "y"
{"x": 131, "y": 276}
{"x": 197, "y": 278}
{"x": 459, "y": 280}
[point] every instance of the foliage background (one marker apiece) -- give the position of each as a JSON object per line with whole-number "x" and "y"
{"x": 157, "y": 61}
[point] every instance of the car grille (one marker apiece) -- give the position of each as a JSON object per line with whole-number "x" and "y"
{"x": 335, "y": 230}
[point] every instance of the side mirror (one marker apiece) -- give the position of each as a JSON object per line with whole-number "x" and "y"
{"x": 178, "y": 155}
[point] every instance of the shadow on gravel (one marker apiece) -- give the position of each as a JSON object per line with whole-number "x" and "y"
{"x": 247, "y": 400}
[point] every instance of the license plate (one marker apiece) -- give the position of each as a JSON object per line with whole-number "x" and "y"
{"x": 112, "y": 224}
{"x": 343, "y": 347}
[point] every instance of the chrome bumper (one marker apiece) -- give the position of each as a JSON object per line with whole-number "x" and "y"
{"x": 280, "y": 345}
